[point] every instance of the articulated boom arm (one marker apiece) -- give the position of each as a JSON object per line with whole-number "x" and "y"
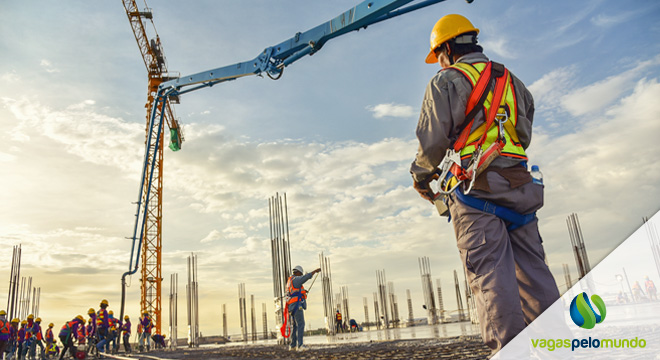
{"x": 273, "y": 59}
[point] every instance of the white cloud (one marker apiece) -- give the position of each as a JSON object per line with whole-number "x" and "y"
{"x": 551, "y": 87}
{"x": 605, "y": 20}
{"x": 500, "y": 46}
{"x": 82, "y": 131}
{"x": 10, "y": 77}
{"x": 214, "y": 235}
{"x": 391, "y": 110}
{"x": 596, "y": 96}
{"x": 48, "y": 66}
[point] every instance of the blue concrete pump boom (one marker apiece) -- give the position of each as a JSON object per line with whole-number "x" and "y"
{"x": 271, "y": 61}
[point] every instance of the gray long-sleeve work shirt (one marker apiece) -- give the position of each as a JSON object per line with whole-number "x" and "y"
{"x": 297, "y": 282}
{"x": 443, "y": 113}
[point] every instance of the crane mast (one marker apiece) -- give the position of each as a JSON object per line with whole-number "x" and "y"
{"x": 151, "y": 257}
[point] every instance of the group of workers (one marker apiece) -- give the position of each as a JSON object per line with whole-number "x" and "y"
{"x": 342, "y": 326}
{"x": 101, "y": 333}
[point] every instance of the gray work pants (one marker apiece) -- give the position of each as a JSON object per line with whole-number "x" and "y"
{"x": 298, "y": 331}
{"x": 506, "y": 271}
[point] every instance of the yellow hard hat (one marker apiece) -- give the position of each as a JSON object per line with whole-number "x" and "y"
{"x": 104, "y": 302}
{"x": 91, "y": 311}
{"x": 24, "y": 322}
{"x": 51, "y": 325}
{"x": 79, "y": 317}
{"x": 447, "y": 28}
{"x": 30, "y": 317}
{"x": 37, "y": 320}
{"x": 126, "y": 317}
{"x": 110, "y": 312}
{"x": 15, "y": 320}
{"x": 3, "y": 313}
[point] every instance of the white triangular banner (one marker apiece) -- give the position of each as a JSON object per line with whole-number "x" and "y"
{"x": 631, "y": 326}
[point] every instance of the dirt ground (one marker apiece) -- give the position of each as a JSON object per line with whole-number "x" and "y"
{"x": 463, "y": 347}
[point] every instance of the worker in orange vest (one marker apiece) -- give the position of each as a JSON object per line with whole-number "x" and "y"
{"x": 650, "y": 288}
{"x": 296, "y": 303}
{"x": 338, "y": 322}
{"x": 67, "y": 334}
{"x": 5, "y": 331}
{"x": 50, "y": 338}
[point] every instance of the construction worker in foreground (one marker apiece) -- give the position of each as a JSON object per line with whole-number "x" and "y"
{"x": 126, "y": 333}
{"x": 68, "y": 333}
{"x": 296, "y": 304}
{"x": 13, "y": 339}
{"x": 504, "y": 261}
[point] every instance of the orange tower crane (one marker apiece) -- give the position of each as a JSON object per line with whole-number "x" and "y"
{"x": 154, "y": 60}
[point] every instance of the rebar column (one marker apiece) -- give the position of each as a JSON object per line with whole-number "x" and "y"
{"x": 411, "y": 317}
{"x": 376, "y": 312}
{"x": 427, "y": 290}
{"x": 366, "y": 313}
{"x": 224, "y": 320}
{"x": 280, "y": 255}
{"x": 382, "y": 296}
{"x": 192, "y": 302}
{"x": 265, "y": 320}
{"x": 567, "y": 276}
{"x": 441, "y": 304}
{"x": 174, "y": 289}
{"x": 242, "y": 311}
{"x": 654, "y": 242}
{"x": 328, "y": 304}
{"x": 459, "y": 300}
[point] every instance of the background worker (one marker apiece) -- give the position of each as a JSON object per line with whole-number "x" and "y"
{"x": 50, "y": 338}
{"x": 113, "y": 332}
{"x": 297, "y": 303}
{"x": 505, "y": 266}
{"x": 68, "y": 332}
{"x": 650, "y": 288}
{"x": 102, "y": 327}
{"x": 338, "y": 322}
{"x": 38, "y": 336}
{"x": 145, "y": 336}
{"x": 92, "y": 335}
{"x": 13, "y": 339}
{"x": 5, "y": 331}
{"x": 20, "y": 340}
{"x": 126, "y": 333}
{"x": 159, "y": 341}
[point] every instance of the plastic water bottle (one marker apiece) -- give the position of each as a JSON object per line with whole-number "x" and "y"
{"x": 537, "y": 176}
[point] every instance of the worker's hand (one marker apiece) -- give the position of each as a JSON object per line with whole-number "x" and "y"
{"x": 424, "y": 189}
{"x": 316, "y": 271}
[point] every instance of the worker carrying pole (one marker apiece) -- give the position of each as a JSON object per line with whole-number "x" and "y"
{"x": 484, "y": 185}
{"x": 296, "y": 304}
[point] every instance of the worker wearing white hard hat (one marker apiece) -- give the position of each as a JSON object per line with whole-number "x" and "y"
{"x": 296, "y": 304}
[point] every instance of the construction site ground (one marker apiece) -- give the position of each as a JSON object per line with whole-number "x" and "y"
{"x": 460, "y": 347}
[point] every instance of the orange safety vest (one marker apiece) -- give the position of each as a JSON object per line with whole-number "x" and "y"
{"x": 338, "y": 316}
{"x": 4, "y": 327}
{"x": 649, "y": 284}
{"x": 292, "y": 290}
{"x": 68, "y": 326}
{"x": 49, "y": 334}
{"x": 512, "y": 147}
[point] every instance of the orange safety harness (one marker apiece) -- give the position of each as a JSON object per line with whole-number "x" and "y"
{"x": 452, "y": 173}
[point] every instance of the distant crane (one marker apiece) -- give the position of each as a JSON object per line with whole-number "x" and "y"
{"x": 154, "y": 60}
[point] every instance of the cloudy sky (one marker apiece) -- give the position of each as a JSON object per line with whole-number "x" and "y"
{"x": 336, "y": 133}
